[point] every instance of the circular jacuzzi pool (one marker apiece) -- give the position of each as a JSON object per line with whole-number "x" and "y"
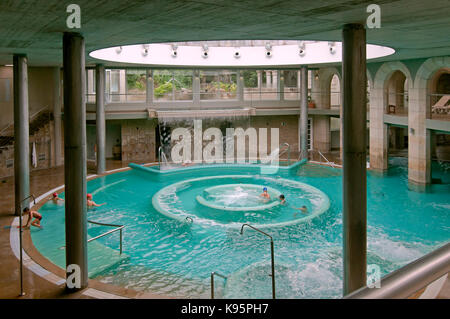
{"x": 167, "y": 254}
{"x": 232, "y": 200}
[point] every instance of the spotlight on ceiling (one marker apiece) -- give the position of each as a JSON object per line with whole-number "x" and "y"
{"x": 268, "y": 50}
{"x": 145, "y": 50}
{"x": 205, "y": 50}
{"x": 174, "y": 50}
{"x": 119, "y": 50}
{"x": 331, "y": 47}
{"x": 237, "y": 53}
{"x": 302, "y": 48}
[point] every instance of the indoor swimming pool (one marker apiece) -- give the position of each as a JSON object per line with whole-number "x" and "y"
{"x": 182, "y": 225}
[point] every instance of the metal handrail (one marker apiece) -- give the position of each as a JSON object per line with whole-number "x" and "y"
{"x": 271, "y": 254}
{"x": 288, "y": 150}
{"x": 332, "y": 164}
{"x": 189, "y": 218}
{"x": 407, "y": 280}
{"x": 118, "y": 228}
{"x": 212, "y": 282}
{"x": 22, "y": 293}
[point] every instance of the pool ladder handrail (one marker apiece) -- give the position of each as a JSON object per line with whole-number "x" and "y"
{"x": 288, "y": 150}
{"x": 118, "y": 228}
{"x": 271, "y": 254}
{"x": 332, "y": 164}
{"x": 212, "y": 281}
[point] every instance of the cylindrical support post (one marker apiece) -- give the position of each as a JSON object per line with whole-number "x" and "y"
{"x": 196, "y": 88}
{"x": 21, "y": 133}
{"x": 240, "y": 86}
{"x": 121, "y": 238}
{"x": 272, "y": 259}
{"x": 57, "y": 115}
{"x": 303, "y": 112}
{"x": 100, "y": 116}
{"x": 212, "y": 285}
{"x": 354, "y": 156}
{"x": 75, "y": 156}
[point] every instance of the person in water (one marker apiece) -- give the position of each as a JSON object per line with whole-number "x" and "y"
{"x": 32, "y": 214}
{"x": 282, "y": 198}
{"x": 55, "y": 198}
{"x": 265, "y": 195}
{"x": 91, "y": 203}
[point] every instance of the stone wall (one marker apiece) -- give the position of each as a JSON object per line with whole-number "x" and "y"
{"x": 139, "y": 141}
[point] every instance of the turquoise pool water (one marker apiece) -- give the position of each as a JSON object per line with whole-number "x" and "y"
{"x": 173, "y": 257}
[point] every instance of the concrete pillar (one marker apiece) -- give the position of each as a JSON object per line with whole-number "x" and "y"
{"x": 57, "y": 115}
{"x": 100, "y": 117}
{"x": 150, "y": 88}
{"x": 303, "y": 140}
{"x": 379, "y": 137}
{"x": 240, "y": 86}
{"x": 268, "y": 79}
{"x": 419, "y": 140}
{"x": 196, "y": 87}
{"x": 275, "y": 79}
{"x": 259, "y": 76}
{"x": 75, "y": 154}
{"x": 354, "y": 164}
{"x": 280, "y": 85}
{"x": 21, "y": 133}
{"x": 322, "y": 133}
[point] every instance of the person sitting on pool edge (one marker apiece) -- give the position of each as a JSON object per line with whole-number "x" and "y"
{"x": 55, "y": 198}
{"x": 32, "y": 214}
{"x": 265, "y": 194}
{"x": 91, "y": 203}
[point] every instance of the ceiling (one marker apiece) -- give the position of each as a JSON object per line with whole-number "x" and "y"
{"x": 414, "y": 28}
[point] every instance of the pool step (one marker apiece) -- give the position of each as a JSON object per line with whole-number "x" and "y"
{"x": 100, "y": 258}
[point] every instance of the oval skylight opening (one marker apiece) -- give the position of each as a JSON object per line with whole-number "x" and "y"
{"x": 223, "y": 53}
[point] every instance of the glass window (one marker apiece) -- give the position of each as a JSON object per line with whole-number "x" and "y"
{"x": 182, "y": 84}
{"x": 172, "y": 85}
{"x": 90, "y": 86}
{"x": 251, "y": 84}
{"x": 261, "y": 85}
{"x": 291, "y": 85}
{"x": 217, "y": 85}
{"x": 162, "y": 83}
{"x": 136, "y": 85}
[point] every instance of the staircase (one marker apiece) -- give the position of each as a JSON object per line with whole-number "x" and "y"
{"x": 38, "y": 121}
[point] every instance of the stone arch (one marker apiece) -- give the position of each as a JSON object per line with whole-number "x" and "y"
{"x": 378, "y": 142}
{"x": 423, "y": 82}
{"x": 321, "y": 92}
{"x": 419, "y": 155}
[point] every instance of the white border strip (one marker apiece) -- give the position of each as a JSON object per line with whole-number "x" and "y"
{"x": 27, "y": 261}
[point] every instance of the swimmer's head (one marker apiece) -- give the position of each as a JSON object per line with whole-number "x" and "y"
{"x": 55, "y": 195}
{"x": 303, "y": 206}
{"x": 281, "y": 196}
{"x": 89, "y": 196}
{"x": 265, "y": 189}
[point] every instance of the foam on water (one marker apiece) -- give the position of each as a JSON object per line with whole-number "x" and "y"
{"x": 176, "y": 257}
